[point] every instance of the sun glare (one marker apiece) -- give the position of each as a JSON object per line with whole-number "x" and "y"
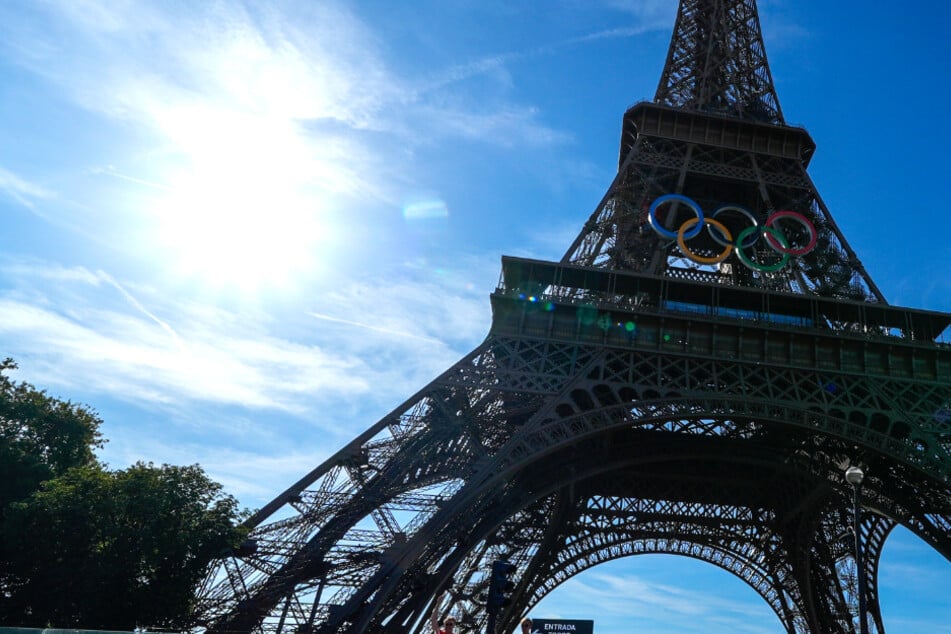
{"x": 242, "y": 209}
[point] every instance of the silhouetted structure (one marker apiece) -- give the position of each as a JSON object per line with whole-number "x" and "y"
{"x": 691, "y": 378}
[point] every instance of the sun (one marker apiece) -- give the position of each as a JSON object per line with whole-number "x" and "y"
{"x": 246, "y": 233}
{"x": 241, "y": 209}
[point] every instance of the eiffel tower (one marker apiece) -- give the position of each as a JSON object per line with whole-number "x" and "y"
{"x": 692, "y": 378}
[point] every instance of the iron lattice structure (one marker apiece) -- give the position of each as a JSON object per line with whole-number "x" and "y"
{"x": 631, "y": 399}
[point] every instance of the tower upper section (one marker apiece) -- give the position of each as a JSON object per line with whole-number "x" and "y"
{"x": 717, "y": 62}
{"x": 712, "y": 184}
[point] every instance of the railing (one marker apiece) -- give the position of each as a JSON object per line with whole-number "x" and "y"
{"x": 543, "y": 282}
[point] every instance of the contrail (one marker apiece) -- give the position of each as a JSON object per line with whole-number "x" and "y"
{"x": 135, "y": 304}
{"x": 387, "y": 331}
{"x": 460, "y": 72}
{"x": 111, "y": 171}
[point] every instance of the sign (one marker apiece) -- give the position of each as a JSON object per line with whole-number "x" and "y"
{"x": 561, "y": 626}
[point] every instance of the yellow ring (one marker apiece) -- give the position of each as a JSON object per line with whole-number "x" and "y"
{"x": 693, "y": 256}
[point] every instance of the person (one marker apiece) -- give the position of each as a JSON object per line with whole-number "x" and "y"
{"x": 448, "y": 624}
{"x": 526, "y": 625}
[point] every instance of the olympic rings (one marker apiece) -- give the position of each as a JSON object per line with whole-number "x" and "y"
{"x": 748, "y": 237}
{"x": 813, "y": 236}
{"x": 659, "y": 228}
{"x": 741, "y": 210}
{"x": 766, "y": 268}
{"x": 682, "y": 240}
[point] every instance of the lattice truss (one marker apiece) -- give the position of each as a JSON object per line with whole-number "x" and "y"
{"x": 717, "y": 62}
{"x": 618, "y": 234}
{"x": 560, "y": 456}
{"x": 716, "y": 65}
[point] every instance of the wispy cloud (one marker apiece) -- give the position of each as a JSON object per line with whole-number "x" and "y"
{"x": 495, "y": 63}
{"x": 252, "y": 475}
{"x": 289, "y": 104}
{"x": 925, "y": 624}
{"x": 227, "y": 77}
{"x": 148, "y": 348}
{"x": 295, "y": 108}
{"x": 364, "y": 326}
{"x": 21, "y": 190}
{"x": 138, "y": 363}
{"x": 111, "y": 171}
{"x": 650, "y": 13}
{"x": 74, "y": 325}
{"x": 135, "y": 304}
{"x": 634, "y": 599}
{"x": 508, "y": 127}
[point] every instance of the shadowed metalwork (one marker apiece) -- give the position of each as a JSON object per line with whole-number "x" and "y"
{"x": 717, "y": 63}
{"x": 631, "y": 399}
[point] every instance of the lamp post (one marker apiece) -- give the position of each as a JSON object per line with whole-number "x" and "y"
{"x": 854, "y": 476}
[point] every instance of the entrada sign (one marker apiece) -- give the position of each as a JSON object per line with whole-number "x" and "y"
{"x": 561, "y": 626}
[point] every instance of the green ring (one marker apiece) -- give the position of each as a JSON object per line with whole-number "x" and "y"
{"x": 760, "y": 267}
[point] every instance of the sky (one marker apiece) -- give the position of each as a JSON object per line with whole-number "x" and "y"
{"x": 244, "y": 232}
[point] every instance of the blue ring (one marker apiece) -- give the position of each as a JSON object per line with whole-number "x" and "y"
{"x": 672, "y": 235}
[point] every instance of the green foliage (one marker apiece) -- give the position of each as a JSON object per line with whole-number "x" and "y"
{"x": 40, "y": 437}
{"x": 84, "y": 547}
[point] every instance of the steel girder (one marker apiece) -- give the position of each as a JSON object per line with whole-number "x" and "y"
{"x": 518, "y": 450}
{"x": 666, "y": 157}
{"x": 717, "y": 62}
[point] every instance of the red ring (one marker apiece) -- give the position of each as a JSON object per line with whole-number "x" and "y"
{"x": 774, "y": 243}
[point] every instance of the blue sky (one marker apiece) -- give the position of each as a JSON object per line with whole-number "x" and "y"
{"x": 245, "y": 232}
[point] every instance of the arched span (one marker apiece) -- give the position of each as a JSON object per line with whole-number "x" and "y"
{"x": 488, "y": 441}
{"x": 711, "y": 415}
{"x": 627, "y": 464}
{"x": 823, "y": 445}
{"x": 781, "y": 604}
{"x": 821, "y": 466}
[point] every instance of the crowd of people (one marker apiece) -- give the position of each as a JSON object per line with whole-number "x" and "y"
{"x": 448, "y": 625}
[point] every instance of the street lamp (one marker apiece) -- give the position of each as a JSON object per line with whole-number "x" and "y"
{"x": 854, "y": 476}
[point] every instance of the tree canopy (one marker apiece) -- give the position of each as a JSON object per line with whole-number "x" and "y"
{"x": 40, "y": 437}
{"x": 86, "y": 547}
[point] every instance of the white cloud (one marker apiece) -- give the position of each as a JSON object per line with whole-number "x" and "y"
{"x": 234, "y": 78}
{"x": 630, "y": 599}
{"x": 289, "y": 112}
{"x": 653, "y": 13}
{"x": 21, "y": 190}
{"x": 256, "y": 397}
{"x": 445, "y": 306}
{"x": 128, "y": 356}
{"x": 198, "y": 353}
{"x": 84, "y": 329}
{"x": 373, "y": 327}
{"x": 505, "y": 127}
{"x": 254, "y": 477}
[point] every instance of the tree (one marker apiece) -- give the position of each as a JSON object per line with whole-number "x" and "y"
{"x": 93, "y": 548}
{"x": 40, "y": 437}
